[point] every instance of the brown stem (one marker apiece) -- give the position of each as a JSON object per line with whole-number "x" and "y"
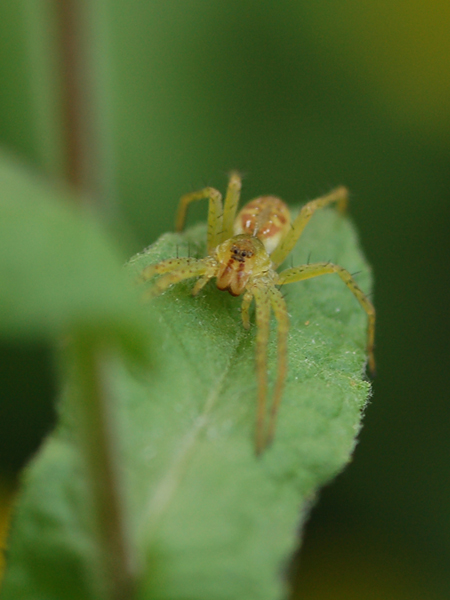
{"x": 71, "y": 93}
{"x": 99, "y": 443}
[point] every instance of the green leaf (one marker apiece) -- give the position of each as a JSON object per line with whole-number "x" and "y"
{"x": 208, "y": 519}
{"x": 58, "y": 271}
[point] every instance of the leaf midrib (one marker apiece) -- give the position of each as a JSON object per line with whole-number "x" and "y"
{"x": 165, "y": 490}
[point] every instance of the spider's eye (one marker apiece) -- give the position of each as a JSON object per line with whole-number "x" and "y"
{"x": 240, "y": 254}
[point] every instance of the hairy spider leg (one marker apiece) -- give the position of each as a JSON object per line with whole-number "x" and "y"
{"x": 245, "y": 306}
{"x": 215, "y": 214}
{"x": 280, "y": 312}
{"x": 316, "y": 269}
{"x": 339, "y": 195}
{"x": 262, "y": 302}
{"x": 230, "y": 205}
{"x": 174, "y": 270}
{"x": 165, "y": 266}
{"x": 209, "y": 274}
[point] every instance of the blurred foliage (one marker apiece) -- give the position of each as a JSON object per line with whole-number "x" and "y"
{"x": 400, "y": 53}
{"x": 301, "y": 96}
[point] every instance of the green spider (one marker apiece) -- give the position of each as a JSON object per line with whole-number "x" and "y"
{"x": 244, "y": 252}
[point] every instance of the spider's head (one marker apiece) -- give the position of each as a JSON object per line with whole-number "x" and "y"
{"x": 240, "y": 258}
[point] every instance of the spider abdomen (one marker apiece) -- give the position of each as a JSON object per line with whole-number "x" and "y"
{"x": 267, "y": 218}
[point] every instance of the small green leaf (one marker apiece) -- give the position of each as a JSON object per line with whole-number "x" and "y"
{"x": 58, "y": 271}
{"x": 208, "y": 519}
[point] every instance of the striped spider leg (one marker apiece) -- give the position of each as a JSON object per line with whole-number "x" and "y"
{"x": 244, "y": 252}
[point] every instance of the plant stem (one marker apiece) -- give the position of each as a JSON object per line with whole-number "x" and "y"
{"x": 99, "y": 443}
{"x": 84, "y": 45}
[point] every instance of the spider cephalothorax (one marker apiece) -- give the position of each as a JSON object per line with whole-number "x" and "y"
{"x": 244, "y": 252}
{"x": 240, "y": 259}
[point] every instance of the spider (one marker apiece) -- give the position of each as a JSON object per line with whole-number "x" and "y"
{"x": 244, "y": 252}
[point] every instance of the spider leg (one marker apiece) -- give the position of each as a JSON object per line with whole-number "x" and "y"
{"x": 247, "y": 300}
{"x": 339, "y": 195}
{"x": 314, "y": 270}
{"x": 215, "y": 215}
{"x": 231, "y": 204}
{"x": 203, "y": 281}
{"x": 165, "y": 266}
{"x": 262, "y": 301}
{"x": 173, "y": 271}
{"x": 281, "y": 315}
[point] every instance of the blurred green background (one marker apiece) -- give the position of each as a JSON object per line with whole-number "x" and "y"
{"x": 299, "y": 96}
